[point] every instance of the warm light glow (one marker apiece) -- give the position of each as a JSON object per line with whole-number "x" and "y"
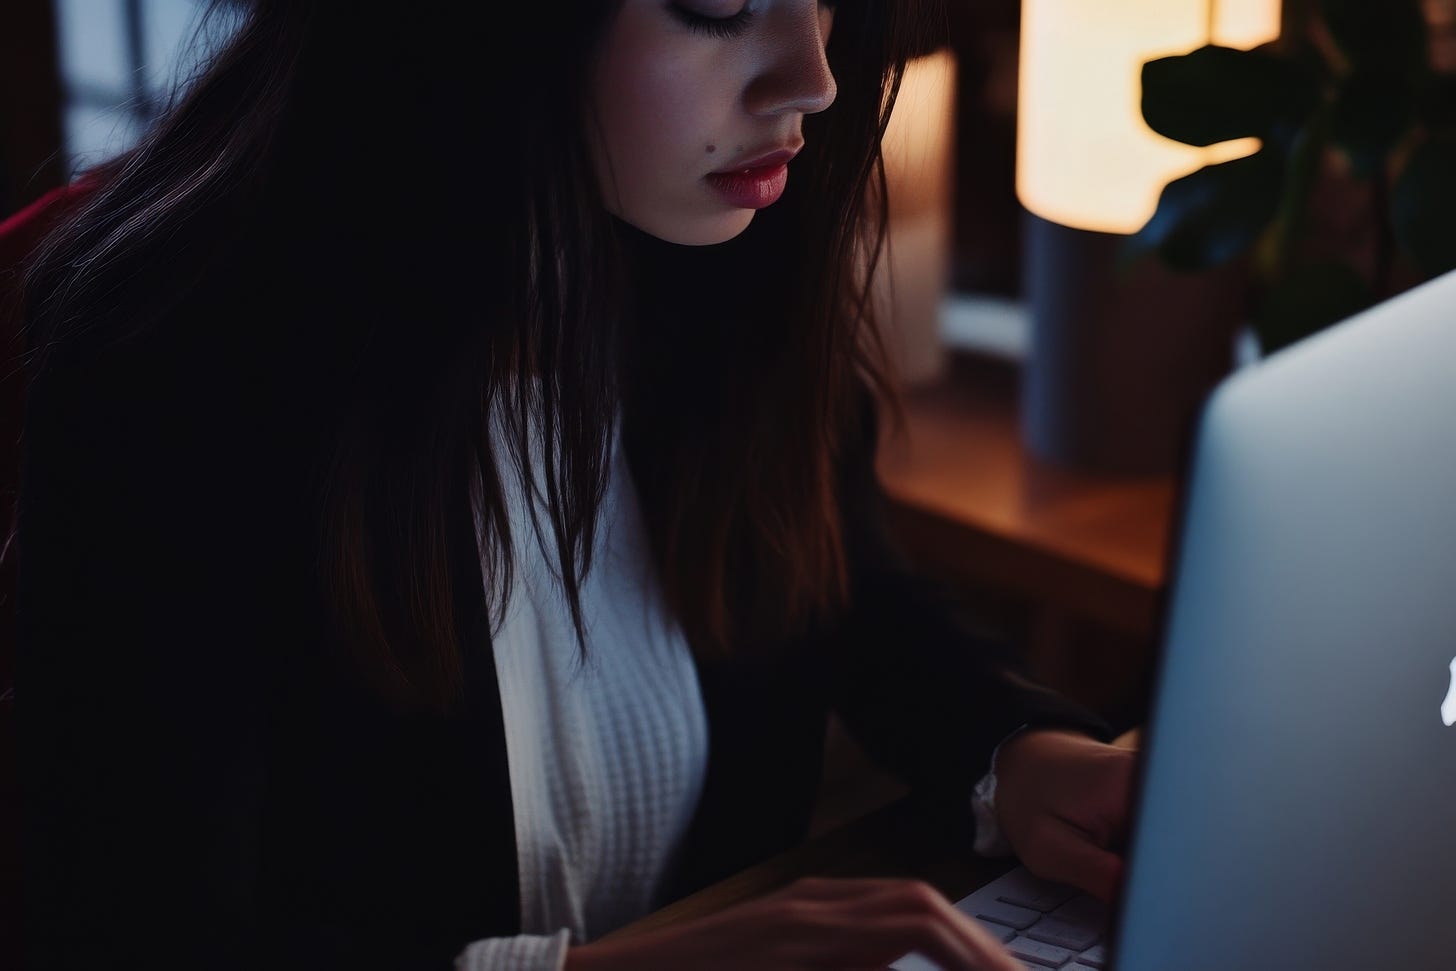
{"x": 1085, "y": 157}
{"x": 917, "y": 141}
{"x": 915, "y": 270}
{"x": 1245, "y": 23}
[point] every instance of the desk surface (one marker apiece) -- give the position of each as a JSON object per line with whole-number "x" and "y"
{"x": 972, "y": 503}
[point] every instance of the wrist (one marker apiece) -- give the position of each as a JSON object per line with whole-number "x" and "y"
{"x": 581, "y": 958}
{"x": 608, "y": 955}
{"x": 1032, "y": 740}
{"x": 1023, "y": 750}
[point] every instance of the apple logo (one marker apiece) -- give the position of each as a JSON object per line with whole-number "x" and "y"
{"x": 1448, "y": 707}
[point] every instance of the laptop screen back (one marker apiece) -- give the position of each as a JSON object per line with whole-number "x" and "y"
{"x": 1297, "y": 807}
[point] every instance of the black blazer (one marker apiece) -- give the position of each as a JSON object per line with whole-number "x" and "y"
{"x": 203, "y": 787}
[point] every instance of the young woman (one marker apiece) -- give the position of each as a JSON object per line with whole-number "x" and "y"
{"x": 448, "y": 508}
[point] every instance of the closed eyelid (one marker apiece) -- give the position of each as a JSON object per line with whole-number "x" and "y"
{"x": 713, "y": 11}
{"x": 727, "y": 25}
{"x": 741, "y": 10}
{"x": 722, "y": 27}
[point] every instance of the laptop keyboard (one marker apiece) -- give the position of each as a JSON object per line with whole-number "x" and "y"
{"x": 1044, "y": 925}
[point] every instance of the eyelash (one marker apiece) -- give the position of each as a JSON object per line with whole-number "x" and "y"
{"x": 714, "y": 26}
{"x": 725, "y": 26}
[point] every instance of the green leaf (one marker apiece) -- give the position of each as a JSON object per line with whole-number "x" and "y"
{"x": 1423, "y": 206}
{"x": 1302, "y": 168}
{"x": 1373, "y": 111}
{"x": 1212, "y": 216}
{"x": 1378, "y": 33}
{"x": 1310, "y": 299}
{"x": 1216, "y": 94}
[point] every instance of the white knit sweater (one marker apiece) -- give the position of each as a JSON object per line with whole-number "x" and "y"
{"x": 606, "y": 760}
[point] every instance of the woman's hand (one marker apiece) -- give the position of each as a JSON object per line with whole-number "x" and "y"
{"x": 812, "y": 923}
{"x": 1062, "y": 801}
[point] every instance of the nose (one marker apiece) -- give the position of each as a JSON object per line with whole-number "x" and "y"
{"x": 795, "y": 76}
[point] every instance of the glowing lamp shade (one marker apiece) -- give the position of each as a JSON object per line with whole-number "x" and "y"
{"x": 1085, "y": 157}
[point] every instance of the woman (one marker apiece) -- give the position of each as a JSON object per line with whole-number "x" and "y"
{"x": 392, "y": 278}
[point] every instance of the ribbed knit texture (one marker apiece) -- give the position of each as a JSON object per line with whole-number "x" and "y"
{"x": 525, "y": 952}
{"x": 607, "y": 759}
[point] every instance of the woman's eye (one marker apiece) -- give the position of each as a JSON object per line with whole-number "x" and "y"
{"x": 714, "y": 26}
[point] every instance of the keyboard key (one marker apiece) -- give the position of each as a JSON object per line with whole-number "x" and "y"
{"x": 1084, "y": 910}
{"x": 1004, "y": 913}
{"x": 1043, "y": 955}
{"x": 1001, "y": 932}
{"x": 914, "y": 962}
{"x": 1021, "y": 888}
{"x": 1053, "y": 930}
{"x": 1094, "y": 957}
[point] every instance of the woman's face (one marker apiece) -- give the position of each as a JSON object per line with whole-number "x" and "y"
{"x": 688, "y": 94}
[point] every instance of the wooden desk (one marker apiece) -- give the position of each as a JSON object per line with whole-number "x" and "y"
{"x": 1081, "y": 555}
{"x": 971, "y": 501}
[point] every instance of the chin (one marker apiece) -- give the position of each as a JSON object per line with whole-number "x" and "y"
{"x": 709, "y": 231}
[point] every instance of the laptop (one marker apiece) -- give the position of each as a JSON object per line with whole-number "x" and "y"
{"x": 1296, "y": 800}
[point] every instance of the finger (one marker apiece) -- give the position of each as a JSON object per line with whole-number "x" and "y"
{"x": 843, "y": 888}
{"x": 915, "y": 898}
{"x": 1065, "y": 854}
{"x": 886, "y": 940}
{"x": 864, "y": 899}
{"x": 894, "y": 917}
{"x": 1101, "y": 831}
{"x": 1121, "y": 833}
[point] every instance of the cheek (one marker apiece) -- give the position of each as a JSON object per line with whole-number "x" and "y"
{"x": 651, "y": 117}
{"x": 658, "y": 105}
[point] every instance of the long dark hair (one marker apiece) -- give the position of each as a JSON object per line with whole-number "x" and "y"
{"x": 421, "y": 190}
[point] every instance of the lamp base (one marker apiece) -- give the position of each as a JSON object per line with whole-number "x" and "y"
{"x": 1120, "y": 360}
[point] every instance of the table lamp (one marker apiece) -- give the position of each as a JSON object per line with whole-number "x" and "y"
{"x": 1119, "y": 358}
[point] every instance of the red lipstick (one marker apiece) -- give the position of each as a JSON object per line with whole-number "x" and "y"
{"x": 757, "y": 182}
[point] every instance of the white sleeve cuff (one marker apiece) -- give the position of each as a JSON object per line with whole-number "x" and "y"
{"x": 524, "y": 952}
{"x": 990, "y": 841}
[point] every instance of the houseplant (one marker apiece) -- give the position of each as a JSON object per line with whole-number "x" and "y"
{"x": 1352, "y": 112}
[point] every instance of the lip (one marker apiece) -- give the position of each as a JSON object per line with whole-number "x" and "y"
{"x": 751, "y": 188}
{"x": 756, "y": 182}
{"x": 768, "y": 160}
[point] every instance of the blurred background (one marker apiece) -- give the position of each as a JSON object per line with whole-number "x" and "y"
{"x": 81, "y": 80}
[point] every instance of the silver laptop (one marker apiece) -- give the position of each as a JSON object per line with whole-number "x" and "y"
{"x": 1297, "y": 801}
